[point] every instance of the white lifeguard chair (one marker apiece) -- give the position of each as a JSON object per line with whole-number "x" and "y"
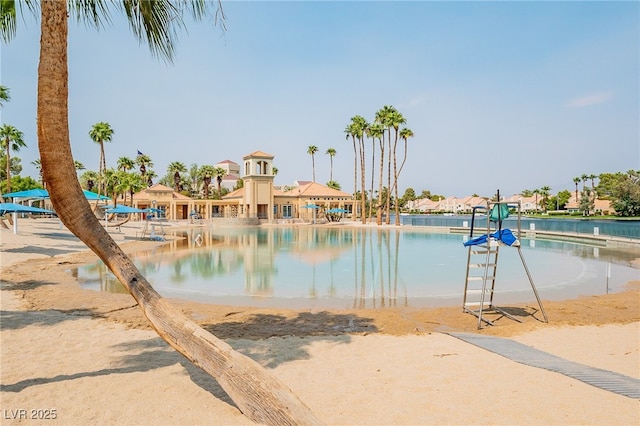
{"x": 482, "y": 260}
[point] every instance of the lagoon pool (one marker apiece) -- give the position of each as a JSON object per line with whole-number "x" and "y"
{"x": 345, "y": 268}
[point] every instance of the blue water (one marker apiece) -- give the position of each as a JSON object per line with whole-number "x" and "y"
{"x": 319, "y": 267}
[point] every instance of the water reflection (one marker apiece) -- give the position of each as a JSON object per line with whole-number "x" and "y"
{"x": 307, "y": 267}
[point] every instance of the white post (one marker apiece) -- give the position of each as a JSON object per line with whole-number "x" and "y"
{"x": 15, "y": 222}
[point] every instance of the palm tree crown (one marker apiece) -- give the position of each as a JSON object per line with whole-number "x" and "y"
{"x": 11, "y": 139}
{"x": 311, "y": 150}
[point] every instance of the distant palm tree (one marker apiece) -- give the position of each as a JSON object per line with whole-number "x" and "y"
{"x": 206, "y": 173}
{"x": 11, "y": 139}
{"x": 375, "y": 131}
{"x": 593, "y": 186}
{"x": 311, "y": 150}
{"x": 331, "y": 153}
{"x": 584, "y": 178}
{"x": 576, "y": 180}
{"x": 38, "y": 167}
{"x": 100, "y": 133}
{"x": 396, "y": 119}
{"x": 382, "y": 121}
{"x": 219, "y": 173}
{"x": 357, "y": 130}
{"x": 4, "y": 95}
{"x": 175, "y": 169}
{"x": 125, "y": 164}
{"x": 350, "y": 131}
{"x": 274, "y": 171}
{"x": 88, "y": 179}
{"x": 405, "y": 134}
{"x": 145, "y": 163}
{"x": 545, "y": 191}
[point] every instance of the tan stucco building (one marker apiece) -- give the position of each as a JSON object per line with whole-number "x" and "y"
{"x": 258, "y": 201}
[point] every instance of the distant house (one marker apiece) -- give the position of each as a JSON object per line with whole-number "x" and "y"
{"x": 527, "y": 204}
{"x": 230, "y": 179}
{"x": 424, "y": 205}
{"x": 600, "y": 206}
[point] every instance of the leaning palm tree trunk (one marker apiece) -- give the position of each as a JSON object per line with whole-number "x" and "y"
{"x": 258, "y": 395}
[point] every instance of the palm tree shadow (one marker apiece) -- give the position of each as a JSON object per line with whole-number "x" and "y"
{"x": 15, "y": 320}
{"x": 256, "y": 336}
{"x": 145, "y": 356}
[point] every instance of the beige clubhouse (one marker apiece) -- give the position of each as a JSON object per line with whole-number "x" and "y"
{"x": 258, "y": 201}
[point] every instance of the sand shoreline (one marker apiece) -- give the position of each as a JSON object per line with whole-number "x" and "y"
{"x": 89, "y": 355}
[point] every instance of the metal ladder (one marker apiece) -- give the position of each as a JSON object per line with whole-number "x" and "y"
{"x": 482, "y": 264}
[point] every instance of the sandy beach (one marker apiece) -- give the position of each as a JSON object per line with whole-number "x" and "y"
{"x": 72, "y": 356}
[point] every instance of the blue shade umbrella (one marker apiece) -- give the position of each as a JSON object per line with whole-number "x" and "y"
{"x": 29, "y": 193}
{"x": 120, "y": 209}
{"x": 43, "y": 193}
{"x": 93, "y": 196}
{"x": 310, "y": 206}
{"x": 19, "y": 208}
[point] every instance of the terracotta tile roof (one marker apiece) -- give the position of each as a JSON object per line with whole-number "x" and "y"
{"x": 260, "y": 154}
{"x": 314, "y": 189}
{"x": 159, "y": 189}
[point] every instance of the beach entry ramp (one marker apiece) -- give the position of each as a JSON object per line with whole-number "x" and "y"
{"x": 483, "y": 246}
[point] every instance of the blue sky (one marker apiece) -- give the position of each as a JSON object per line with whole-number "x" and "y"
{"x": 499, "y": 95}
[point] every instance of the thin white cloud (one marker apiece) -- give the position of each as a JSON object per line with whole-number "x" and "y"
{"x": 591, "y": 99}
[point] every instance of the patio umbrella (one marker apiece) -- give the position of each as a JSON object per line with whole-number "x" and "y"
{"x": 19, "y": 208}
{"x": 314, "y": 207}
{"x": 29, "y": 193}
{"x": 43, "y": 193}
{"x": 93, "y": 196}
{"x": 120, "y": 209}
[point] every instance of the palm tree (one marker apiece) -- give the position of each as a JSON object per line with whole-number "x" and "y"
{"x": 395, "y": 120}
{"x": 375, "y": 131}
{"x": 38, "y": 167}
{"x": 11, "y": 139}
{"x": 381, "y": 120}
{"x": 311, "y": 150}
{"x": 256, "y": 393}
{"x": 125, "y": 164}
{"x": 350, "y": 130}
{"x": 357, "y": 130}
{"x": 206, "y": 172}
{"x": 592, "y": 177}
{"x": 576, "y": 180}
{"x": 584, "y": 178}
{"x": 219, "y": 173}
{"x": 386, "y": 116}
{"x": 88, "y": 179}
{"x": 175, "y": 169}
{"x": 4, "y": 95}
{"x": 405, "y": 134}
{"x": 331, "y": 153}
{"x": 545, "y": 191}
{"x": 145, "y": 164}
{"x": 100, "y": 133}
